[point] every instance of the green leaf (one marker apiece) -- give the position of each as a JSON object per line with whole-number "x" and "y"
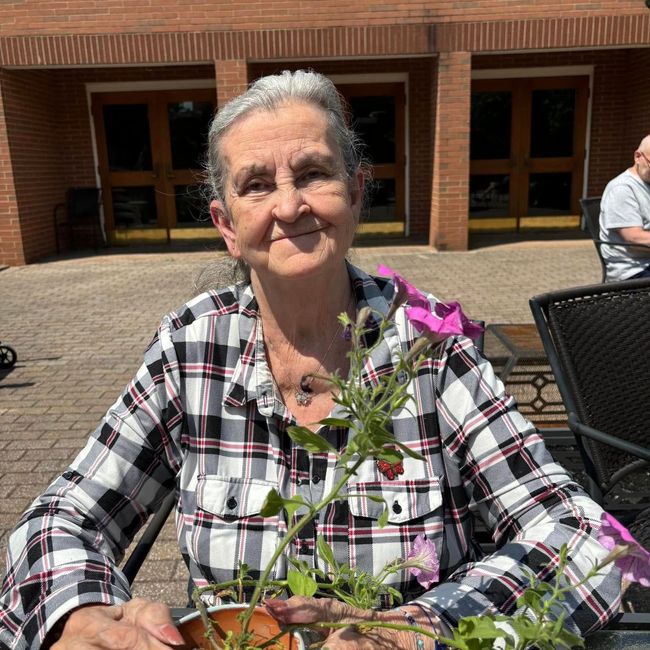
{"x": 272, "y": 505}
{"x": 390, "y": 455}
{"x": 383, "y": 518}
{"x": 325, "y": 551}
{"x": 410, "y": 452}
{"x": 337, "y": 422}
{"x": 301, "y": 584}
{"x": 309, "y": 440}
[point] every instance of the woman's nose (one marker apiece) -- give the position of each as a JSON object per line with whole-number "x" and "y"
{"x": 289, "y": 204}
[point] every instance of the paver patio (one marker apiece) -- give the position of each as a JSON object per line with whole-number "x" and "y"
{"x": 80, "y": 325}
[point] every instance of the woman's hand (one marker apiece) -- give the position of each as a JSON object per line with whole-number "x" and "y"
{"x": 137, "y": 625}
{"x": 299, "y": 609}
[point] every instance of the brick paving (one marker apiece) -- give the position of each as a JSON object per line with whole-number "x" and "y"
{"x": 81, "y": 323}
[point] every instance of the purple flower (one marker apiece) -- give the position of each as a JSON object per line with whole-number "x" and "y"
{"x": 404, "y": 291}
{"x": 631, "y": 558}
{"x": 447, "y": 320}
{"x": 422, "y": 561}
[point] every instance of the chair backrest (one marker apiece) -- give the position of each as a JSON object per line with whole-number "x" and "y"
{"x": 597, "y": 339}
{"x": 82, "y": 203}
{"x": 591, "y": 212}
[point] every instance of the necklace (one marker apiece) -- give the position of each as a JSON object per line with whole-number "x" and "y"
{"x": 305, "y": 392}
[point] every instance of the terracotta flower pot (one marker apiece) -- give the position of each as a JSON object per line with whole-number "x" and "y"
{"x": 263, "y": 626}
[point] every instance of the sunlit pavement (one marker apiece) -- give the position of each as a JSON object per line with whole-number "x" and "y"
{"x": 80, "y": 325}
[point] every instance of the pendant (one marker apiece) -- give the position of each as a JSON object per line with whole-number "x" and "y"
{"x": 390, "y": 470}
{"x": 304, "y": 393}
{"x": 302, "y": 398}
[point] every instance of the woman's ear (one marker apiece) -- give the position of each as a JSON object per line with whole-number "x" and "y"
{"x": 224, "y": 224}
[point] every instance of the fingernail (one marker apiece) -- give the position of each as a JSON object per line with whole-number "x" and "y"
{"x": 171, "y": 634}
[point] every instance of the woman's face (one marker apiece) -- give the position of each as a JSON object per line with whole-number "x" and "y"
{"x": 290, "y": 210}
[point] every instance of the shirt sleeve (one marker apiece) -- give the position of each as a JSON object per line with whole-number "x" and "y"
{"x": 65, "y": 549}
{"x": 527, "y": 501}
{"x": 621, "y": 208}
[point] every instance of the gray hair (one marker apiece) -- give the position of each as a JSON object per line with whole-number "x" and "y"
{"x": 267, "y": 94}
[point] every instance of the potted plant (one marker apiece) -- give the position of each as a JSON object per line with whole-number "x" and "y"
{"x": 367, "y": 409}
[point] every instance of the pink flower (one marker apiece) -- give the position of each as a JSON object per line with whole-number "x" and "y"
{"x": 447, "y": 320}
{"x": 422, "y": 561}
{"x": 404, "y": 291}
{"x": 631, "y": 558}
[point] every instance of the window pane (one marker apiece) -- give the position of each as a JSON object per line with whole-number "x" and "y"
{"x": 489, "y": 195}
{"x": 134, "y": 207}
{"x": 373, "y": 118}
{"x": 549, "y": 194}
{"x": 552, "y": 123}
{"x": 189, "y": 123}
{"x": 192, "y": 206}
{"x": 382, "y": 201}
{"x": 490, "y": 125}
{"x": 127, "y": 137}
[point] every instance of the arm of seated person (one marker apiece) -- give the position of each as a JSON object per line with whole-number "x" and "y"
{"x": 136, "y": 625}
{"x": 636, "y": 235}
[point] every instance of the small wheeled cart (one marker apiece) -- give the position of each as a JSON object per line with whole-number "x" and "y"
{"x": 8, "y": 356}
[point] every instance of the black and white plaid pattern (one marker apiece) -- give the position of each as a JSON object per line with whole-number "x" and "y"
{"x": 202, "y": 416}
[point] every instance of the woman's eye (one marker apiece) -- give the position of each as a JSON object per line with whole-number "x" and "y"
{"x": 314, "y": 174}
{"x": 255, "y": 186}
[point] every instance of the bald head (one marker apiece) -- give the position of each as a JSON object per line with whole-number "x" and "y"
{"x": 644, "y": 145}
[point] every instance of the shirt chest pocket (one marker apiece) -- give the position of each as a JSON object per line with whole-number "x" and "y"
{"x": 413, "y": 507}
{"x": 227, "y": 527}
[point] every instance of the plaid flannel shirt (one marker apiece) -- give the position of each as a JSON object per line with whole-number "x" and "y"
{"x": 202, "y": 417}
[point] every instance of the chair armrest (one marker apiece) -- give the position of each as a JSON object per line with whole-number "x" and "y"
{"x": 581, "y": 429}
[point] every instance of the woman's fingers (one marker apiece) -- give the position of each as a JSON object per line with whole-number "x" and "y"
{"x": 136, "y": 625}
{"x": 300, "y": 609}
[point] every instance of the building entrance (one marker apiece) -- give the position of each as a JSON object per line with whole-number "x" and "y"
{"x": 150, "y": 147}
{"x": 527, "y": 149}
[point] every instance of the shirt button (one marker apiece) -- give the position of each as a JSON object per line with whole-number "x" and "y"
{"x": 232, "y": 503}
{"x": 67, "y": 475}
{"x": 397, "y": 508}
{"x": 315, "y": 478}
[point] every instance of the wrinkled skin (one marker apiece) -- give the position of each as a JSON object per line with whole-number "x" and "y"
{"x": 299, "y": 609}
{"x": 137, "y": 625}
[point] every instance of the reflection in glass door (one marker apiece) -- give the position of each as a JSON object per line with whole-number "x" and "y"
{"x": 527, "y": 146}
{"x": 377, "y": 113}
{"x": 150, "y": 148}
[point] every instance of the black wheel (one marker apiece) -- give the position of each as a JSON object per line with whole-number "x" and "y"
{"x": 8, "y": 356}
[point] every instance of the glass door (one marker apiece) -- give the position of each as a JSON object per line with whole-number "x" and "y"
{"x": 377, "y": 115}
{"x": 527, "y": 147}
{"x": 150, "y": 148}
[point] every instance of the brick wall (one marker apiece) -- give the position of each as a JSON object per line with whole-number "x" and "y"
{"x": 638, "y": 100}
{"x": 450, "y": 184}
{"x": 33, "y": 138}
{"x": 11, "y": 244}
{"x": 83, "y": 16}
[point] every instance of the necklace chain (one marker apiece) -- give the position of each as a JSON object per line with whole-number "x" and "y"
{"x": 304, "y": 393}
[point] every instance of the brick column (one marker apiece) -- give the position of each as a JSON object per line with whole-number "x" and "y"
{"x": 232, "y": 79}
{"x": 450, "y": 185}
{"x": 11, "y": 243}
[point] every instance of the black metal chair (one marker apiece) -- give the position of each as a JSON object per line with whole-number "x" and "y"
{"x": 597, "y": 339}
{"x": 591, "y": 213}
{"x": 79, "y": 213}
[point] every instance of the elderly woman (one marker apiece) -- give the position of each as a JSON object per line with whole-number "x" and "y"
{"x": 225, "y": 376}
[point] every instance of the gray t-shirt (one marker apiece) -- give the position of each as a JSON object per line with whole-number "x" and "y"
{"x": 625, "y": 203}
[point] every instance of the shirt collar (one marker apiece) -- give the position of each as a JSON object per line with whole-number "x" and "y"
{"x": 251, "y": 377}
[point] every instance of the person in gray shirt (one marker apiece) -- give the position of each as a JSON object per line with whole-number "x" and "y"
{"x": 625, "y": 219}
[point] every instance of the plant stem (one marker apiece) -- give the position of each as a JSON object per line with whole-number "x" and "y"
{"x": 291, "y": 534}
